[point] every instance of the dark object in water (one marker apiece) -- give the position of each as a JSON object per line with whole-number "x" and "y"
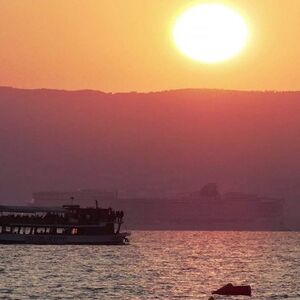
{"x": 231, "y": 290}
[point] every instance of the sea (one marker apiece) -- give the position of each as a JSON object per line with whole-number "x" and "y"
{"x": 156, "y": 265}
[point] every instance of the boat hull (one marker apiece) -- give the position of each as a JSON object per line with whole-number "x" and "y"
{"x": 113, "y": 239}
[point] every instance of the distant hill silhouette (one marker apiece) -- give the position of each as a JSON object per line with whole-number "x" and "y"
{"x": 156, "y": 143}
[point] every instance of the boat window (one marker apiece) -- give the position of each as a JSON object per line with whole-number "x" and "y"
{"x": 7, "y": 229}
{"x": 40, "y": 230}
{"x": 48, "y": 230}
{"x": 74, "y": 230}
{"x": 59, "y": 230}
{"x": 27, "y": 230}
{"x": 0, "y": 229}
{"x": 15, "y": 229}
{"x": 22, "y": 230}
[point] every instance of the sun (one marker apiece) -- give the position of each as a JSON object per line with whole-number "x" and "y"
{"x": 210, "y": 33}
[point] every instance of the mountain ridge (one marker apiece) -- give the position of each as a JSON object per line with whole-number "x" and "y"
{"x": 148, "y": 92}
{"x": 153, "y": 143}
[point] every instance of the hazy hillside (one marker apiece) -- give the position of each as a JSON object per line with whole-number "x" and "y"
{"x": 155, "y": 143}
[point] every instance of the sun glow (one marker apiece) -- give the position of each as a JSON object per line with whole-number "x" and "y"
{"x": 210, "y": 33}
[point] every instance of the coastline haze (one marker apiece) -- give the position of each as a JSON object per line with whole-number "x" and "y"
{"x": 155, "y": 143}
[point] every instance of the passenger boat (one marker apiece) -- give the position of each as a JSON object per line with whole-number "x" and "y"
{"x": 69, "y": 224}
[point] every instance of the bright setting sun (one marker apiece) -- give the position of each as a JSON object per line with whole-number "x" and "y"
{"x": 210, "y": 33}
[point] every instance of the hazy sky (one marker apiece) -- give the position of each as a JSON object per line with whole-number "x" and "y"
{"x": 127, "y": 45}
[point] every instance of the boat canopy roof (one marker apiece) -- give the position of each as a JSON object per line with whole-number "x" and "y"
{"x": 31, "y": 209}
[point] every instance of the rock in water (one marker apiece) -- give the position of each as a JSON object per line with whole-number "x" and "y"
{"x": 231, "y": 290}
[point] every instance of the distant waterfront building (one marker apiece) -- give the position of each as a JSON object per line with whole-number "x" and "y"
{"x": 84, "y": 197}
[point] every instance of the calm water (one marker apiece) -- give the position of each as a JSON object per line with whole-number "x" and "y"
{"x": 157, "y": 265}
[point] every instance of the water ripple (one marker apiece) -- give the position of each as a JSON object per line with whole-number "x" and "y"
{"x": 157, "y": 265}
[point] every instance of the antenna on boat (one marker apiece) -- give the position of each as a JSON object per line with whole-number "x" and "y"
{"x": 97, "y": 204}
{"x": 72, "y": 199}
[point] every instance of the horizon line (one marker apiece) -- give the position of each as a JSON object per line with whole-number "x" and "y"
{"x": 147, "y": 92}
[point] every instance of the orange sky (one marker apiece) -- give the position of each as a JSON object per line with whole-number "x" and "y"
{"x": 127, "y": 46}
